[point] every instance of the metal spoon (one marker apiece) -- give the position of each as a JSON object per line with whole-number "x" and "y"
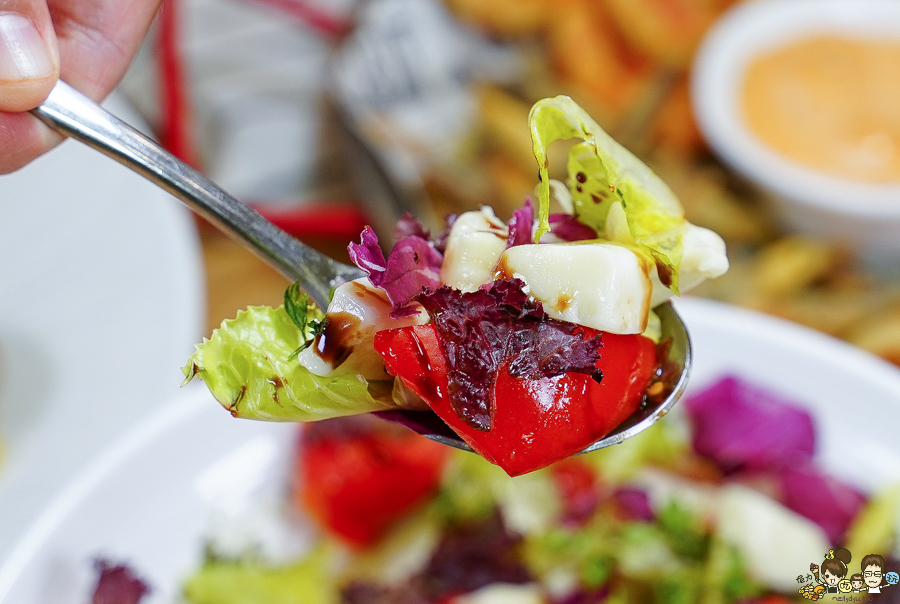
{"x": 72, "y": 114}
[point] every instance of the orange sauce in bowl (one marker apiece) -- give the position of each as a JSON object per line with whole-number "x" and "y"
{"x": 830, "y": 103}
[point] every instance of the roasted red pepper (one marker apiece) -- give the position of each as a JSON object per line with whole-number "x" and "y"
{"x": 534, "y": 421}
{"x": 358, "y": 485}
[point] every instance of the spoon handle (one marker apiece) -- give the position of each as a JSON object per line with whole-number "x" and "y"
{"x": 71, "y": 113}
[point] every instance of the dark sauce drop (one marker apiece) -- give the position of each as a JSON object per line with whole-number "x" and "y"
{"x": 502, "y": 271}
{"x": 335, "y": 343}
{"x": 665, "y": 273}
{"x": 665, "y": 377}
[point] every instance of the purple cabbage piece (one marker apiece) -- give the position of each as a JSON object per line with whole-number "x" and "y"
{"x": 117, "y": 584}
{"x": 568, "y": 228}
{"x": 823, "y": 499}
{"x": 479, "y": 331}
{"x": 412, "y": 267}
{"x": 743, "y": 427}
{"x": 520, "y": 225}
{"x": 634, "y": 504}
{"x": 367, "y": 255}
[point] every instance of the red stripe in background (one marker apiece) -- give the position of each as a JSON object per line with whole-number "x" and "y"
{"x": 175, "y": 114}
{"x": 340, "y": 220}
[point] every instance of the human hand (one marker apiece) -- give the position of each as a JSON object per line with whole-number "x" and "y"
{"x": 89, "y": 43}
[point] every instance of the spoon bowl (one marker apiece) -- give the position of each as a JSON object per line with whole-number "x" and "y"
{"x": 74, "y": 115}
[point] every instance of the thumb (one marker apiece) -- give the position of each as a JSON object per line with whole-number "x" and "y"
{"x": 29, "y": 59}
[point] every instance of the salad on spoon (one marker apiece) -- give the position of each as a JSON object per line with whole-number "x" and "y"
{"x": 531, "y": 339}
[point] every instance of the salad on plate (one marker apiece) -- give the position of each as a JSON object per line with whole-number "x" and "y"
{"x": 725, "y": 502}
{"x": 530, "y": 338}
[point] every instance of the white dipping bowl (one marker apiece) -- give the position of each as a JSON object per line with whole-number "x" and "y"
{"x": 866, "y": 216}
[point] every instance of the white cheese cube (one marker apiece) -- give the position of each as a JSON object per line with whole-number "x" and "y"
{"x": 770, "y": 537}
{"x": 600, "y": 285}
{"x": 704, "y": 258}
{"x": 474, "y": 245}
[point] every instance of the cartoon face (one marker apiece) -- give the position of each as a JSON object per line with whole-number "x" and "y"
{"x": 857, "y": 584}
{"x": 832, "y": 580}
{"x": 872, "y": 575}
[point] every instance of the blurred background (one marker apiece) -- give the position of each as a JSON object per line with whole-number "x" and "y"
{"x": 331, "y": 114}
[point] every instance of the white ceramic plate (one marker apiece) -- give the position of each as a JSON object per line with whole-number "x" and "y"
{"x": 101, "y": 298}
{"x": 149, "y": 498}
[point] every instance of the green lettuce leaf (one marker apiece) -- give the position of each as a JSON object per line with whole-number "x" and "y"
{"x": 875, "y": 527}
{"x": 602, "y": 172}
{"x": 249, "y": 367}
{"x": 227, "y": 582}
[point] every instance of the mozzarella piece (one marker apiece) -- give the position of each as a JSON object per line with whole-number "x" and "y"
{"x": 474, "y": 245}
{"x": 357, "y": 310}
{"x": 769, "y": 535}
{"x": 600, "y": 285}
{"x": 703, "y": 258}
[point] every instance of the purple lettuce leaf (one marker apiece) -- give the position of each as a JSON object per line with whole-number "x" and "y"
{"x": 472, "y": 555}
{"x": 825, "y": 500}
{"x": 743, "y": 427}
{"x": 480, "y": 331}
{"x": 369, "y": 592}
{"x": 409, "y": 226}
{"x": 468, "y": 557}
{"x": 568, "y": 228}
{"x": 440, "y": 241}
{"x": 520, "y": 225}
{"x": 593, "y": 596}
{"x": 117, "y": 584}
{"x": 633, "y": 504}
{"x": 412, "y": 267}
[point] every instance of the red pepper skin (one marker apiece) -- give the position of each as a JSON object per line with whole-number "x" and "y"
{"x": 534, "y": 422}
{"x": 357, "y": 487}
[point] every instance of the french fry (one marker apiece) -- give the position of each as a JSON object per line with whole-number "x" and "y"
{"x": 709, "y": 201}
{"x": 790, "y": 265}
{"x": 879, "y": 334}
{"x": 503, "y": 120}
{"x": 591, "y": 57}
{"x": 505, "y": 18}
{"x": 673, "y": 128}
{"x": 666, "y": 30}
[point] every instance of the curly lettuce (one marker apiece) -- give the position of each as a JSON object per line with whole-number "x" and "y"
{"x": 249, "y": 366}
{"x": 601, "y": 173}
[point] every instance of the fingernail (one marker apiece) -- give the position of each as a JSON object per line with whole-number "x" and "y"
{"x": 23, "y": 53}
